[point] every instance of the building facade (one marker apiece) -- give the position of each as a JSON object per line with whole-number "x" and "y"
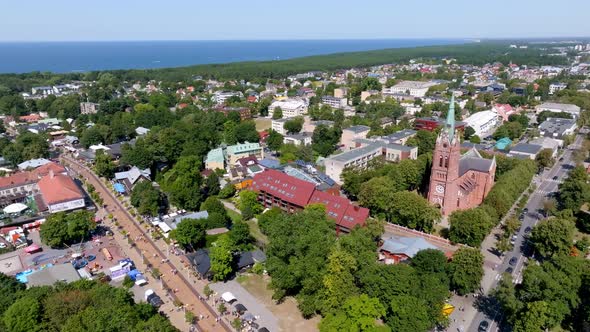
{"x": 458, "y": 182}
{"x": 412, "y": 88}
{"x": 290, "y": 107}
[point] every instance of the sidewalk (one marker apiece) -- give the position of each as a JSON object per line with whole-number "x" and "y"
{"x": 139, "y": 242}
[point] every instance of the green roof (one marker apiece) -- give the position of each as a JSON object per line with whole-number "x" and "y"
{"x": 215, "y": 155}
{"x": 243, "y": 148}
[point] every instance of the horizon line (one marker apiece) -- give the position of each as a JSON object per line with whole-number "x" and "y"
{"x": 548, "y": 38}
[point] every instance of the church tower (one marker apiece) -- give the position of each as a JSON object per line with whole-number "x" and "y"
{"x": 445, "y": 166}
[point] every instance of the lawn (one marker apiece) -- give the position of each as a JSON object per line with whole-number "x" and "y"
{"x": 288, "y": 314}
{"x": 263, "y": 124}
{"x": 234, "y": 216}
{"x": 256, "y": 233}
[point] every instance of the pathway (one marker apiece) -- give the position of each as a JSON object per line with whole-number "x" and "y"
{"x": 180, "y": 286}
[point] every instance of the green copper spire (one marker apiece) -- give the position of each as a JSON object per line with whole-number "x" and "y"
{"x": 451, "y": 118}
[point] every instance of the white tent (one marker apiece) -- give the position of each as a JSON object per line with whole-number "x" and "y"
{"x": 228, "y": 297}
{"x": 15, "y": 208}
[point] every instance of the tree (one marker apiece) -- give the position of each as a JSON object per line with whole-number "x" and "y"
{"x": 274, "y": 141}
{"x": 91, "y": 136}
{"x": 213, "y": 205}
{"x": 9, "y": 287}
{"x": 212, "y": 184}
{"x": 324, "y": 139}
{"x": 103, "y": 165}
{"x": 23, "y": 315}
{"x": 408, "y": 314}
{"x": 544, "y": 158}
{"x": 246, "y": 132}
{"x": 227, "y": 191}
{"x": 466, "y": 270}
{"x": 412, "y": 210}
{"x": 190, "y": 233}
{"x": 469, "y": 132}
{"x": 277, "y": 113}
{"x": 430, "y": 261}
{"x": 221, "y": 258}
{"x": 425, "y": 141}
{"x": 377, "y": 194}
{"x": 339, "y": 279}
{"x": 293, "y": 125}
{"x": 183, "y": 183}
{"x": 249, "y": 203}
{"x": 146, "y": 198}
{"x": 358, "y": 313}
{"x": 470, "y": 226}
{"x": 534, "y": 318}
{"x": 553, "y": 237}
{"x": 240, "y": 235}
{"x": 61, "y": 228}
{"x": 574, "y": 190}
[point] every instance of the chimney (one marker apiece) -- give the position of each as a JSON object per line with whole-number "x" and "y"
{"x": 51, "y": 175}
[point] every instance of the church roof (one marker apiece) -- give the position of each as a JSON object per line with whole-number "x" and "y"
{"x": 472, "y": 160}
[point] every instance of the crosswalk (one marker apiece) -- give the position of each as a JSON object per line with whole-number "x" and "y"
{"x": 542, "y": 192}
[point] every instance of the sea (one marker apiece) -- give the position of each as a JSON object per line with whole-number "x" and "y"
{"x": 64, "y": 57}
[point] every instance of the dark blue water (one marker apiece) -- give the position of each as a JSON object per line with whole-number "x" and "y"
{"x": 85, "y": 56}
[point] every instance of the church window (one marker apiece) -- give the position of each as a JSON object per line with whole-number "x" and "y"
{"x": 458, "y": 202}
{"x": 440, "y": 161}
{"x": 446, "y": 162}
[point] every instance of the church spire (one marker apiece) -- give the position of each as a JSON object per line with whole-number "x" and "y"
{"x": 450, "y": 125}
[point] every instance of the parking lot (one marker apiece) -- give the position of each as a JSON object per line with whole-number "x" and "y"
{"x": 264, "y": 317}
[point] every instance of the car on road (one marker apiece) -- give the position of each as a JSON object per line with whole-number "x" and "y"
{"x": 509, "y": 270}
{"x": 525, "y": 210}
{"x": 483, "y": 326}
{"x": 513, "y": 261}
{"x": 555, "y": 177}
{"x": 521, "y": 217}
{"x": 513, "y": 239}
{"x": 561, "y": 159}
{"x": 527, "y": 230}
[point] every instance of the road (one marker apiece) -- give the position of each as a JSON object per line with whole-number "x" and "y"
{"x": 549, "y": 182}
{"x": 185, "y": 291}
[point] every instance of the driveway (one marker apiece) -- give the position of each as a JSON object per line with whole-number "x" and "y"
{"x": 263, "y": 316}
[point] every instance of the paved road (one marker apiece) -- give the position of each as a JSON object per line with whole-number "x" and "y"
{"x": 186, "y": 293}
{"x": 549, "y": 182}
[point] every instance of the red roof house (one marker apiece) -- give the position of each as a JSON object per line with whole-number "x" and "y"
{"x": 60, "y": 193}
{"x": 277, "y": 189}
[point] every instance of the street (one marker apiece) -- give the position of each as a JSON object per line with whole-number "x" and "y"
{"x": 548, "y": 183}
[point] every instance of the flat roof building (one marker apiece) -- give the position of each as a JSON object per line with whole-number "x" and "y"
{"x": 557, "y": 127}
{"x": 572, "y": 109}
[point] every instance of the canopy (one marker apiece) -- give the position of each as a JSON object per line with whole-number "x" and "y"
{"x": 228, "y": 297}
{"x": 76, "y": 255}
{"x": 240, "y": 307}
{"x": 32, "y": 248}
{"x": 15, "y": 208}
{"x": 248, "y": 317}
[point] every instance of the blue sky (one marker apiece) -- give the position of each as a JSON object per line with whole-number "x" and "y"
{"x": 67, "y": 20}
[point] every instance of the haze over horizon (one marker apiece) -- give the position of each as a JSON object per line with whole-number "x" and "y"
{"x": 150, "y": 20}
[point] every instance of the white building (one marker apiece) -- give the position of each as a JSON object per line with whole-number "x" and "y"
{"x": 334, "y": 101}
{"x": 412, "y": 88}
{"x": 482, "y": 122}
{"x": 278, "y": 125}
{"x": 89, "y": 108}
{"x": 221, "y": 96}
{"x": 298, "y": 139}
{"x": 290, "y": 107}
{"x": 554, "y": 87}
{"x": 572, "y": 109}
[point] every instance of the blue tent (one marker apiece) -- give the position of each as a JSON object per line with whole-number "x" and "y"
{"x": 119, "y": 188}
{"x": 133, "y": 274}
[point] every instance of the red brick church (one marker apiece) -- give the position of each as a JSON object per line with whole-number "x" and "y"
{"x": 458, "y": 182}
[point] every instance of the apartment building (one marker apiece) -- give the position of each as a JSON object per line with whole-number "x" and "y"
{"x": 412, "y": 88}
{"x": 290, "y": 107}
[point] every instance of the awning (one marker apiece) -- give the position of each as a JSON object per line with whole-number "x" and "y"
{"x": 15, "y": 208}
{"x": 228, "y": 297}
{"x": 119, "y": 188}
{"x": 32, "y": 248}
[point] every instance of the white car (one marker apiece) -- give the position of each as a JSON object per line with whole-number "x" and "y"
{"x": 3, "y": 245}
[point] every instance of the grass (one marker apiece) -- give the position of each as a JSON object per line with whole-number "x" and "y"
{"x": 211, "y": 238}
{"x": 234, "y": 216}
{"x": 256, "y": 232}
{"x": 263, "y": 124}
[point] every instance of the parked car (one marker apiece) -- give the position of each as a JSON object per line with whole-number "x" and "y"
{"x": 513, "y": 261}
{"x": 527, "y": 230}
{"x": 555, "y": 177}
{"x": 509, "y": 270}
{"x": 483, "y": 326}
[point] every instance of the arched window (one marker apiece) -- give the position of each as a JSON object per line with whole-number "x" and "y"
{"x": 440, "y": 161}
{"x": 447, "y": 162}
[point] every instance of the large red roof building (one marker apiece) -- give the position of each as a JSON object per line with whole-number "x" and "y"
{"x": 290, "y": 194}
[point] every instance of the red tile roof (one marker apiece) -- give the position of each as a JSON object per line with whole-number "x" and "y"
{"x": 302, "y": 193}
{"x": 283, "y": 186}
{"x": 59, "y": 188}
{"x": 17, "y": 179}
{"x": 45, "y": 169}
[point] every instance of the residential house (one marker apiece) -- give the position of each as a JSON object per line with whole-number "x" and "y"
{"x": 483, "y": 122}
{"x": 132, "y": 177}
{"x": 291, "y": 107}
{"x": 290, "y": 194}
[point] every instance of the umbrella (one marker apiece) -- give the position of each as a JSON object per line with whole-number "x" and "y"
{"x": 240, "y": 308}
{"x": 15, "y": 208}
{"x": 32, "y": 248}
{"x": 228, "y": 297}
{"x": 248, "y": 317}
